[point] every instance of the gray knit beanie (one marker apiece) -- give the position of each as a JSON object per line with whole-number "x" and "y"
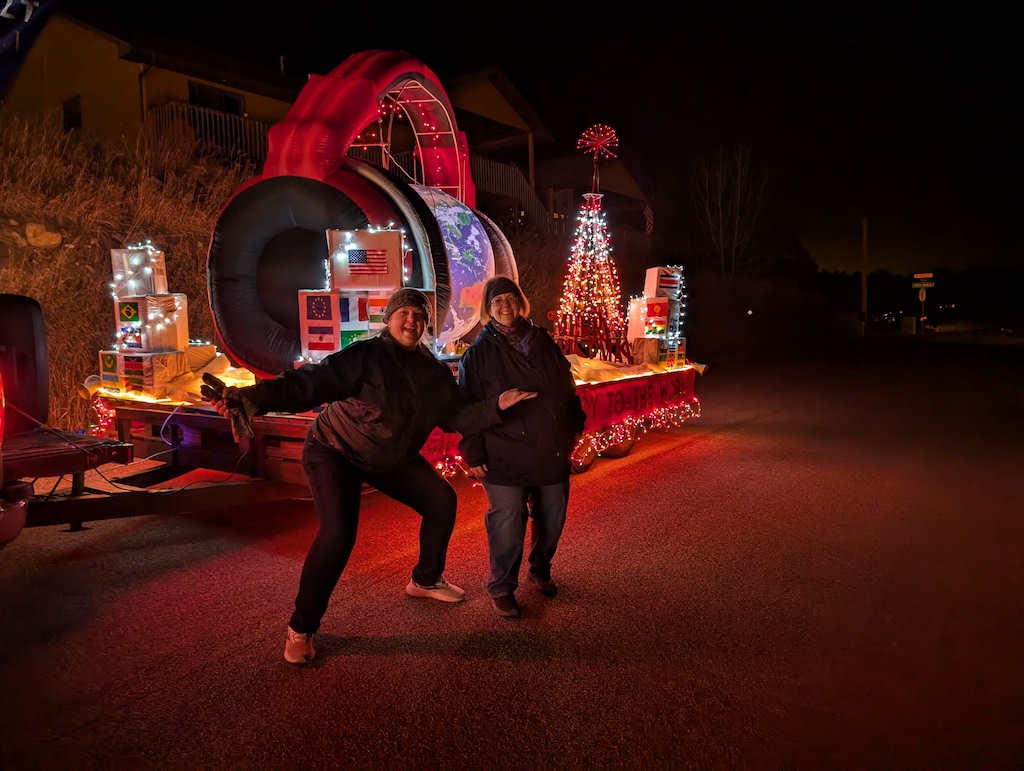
{"x": 412, "y": 298}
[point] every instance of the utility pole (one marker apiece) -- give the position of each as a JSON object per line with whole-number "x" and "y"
{"x": 864, "y": 279}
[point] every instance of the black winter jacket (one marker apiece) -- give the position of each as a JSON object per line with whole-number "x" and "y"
{"x": 382, "y": 401}
{"x": 532, "y": 444}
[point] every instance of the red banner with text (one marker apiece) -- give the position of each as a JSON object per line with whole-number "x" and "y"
{"x": 616, "y": 400}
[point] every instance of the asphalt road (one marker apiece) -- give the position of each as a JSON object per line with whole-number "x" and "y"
{"x": 824, "y": 570}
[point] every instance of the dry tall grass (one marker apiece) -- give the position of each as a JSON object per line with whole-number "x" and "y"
{"x": 100, "y": 198}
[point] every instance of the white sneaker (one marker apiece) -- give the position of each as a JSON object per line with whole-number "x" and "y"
{"x": 442, "y": 590}
{"x": 298, "y": 648}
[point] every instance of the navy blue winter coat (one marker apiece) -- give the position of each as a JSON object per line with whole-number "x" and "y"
{"x": 531, "y": 445}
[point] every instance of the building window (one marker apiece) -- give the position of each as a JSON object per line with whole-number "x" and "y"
{"x": 72, "y": 113}
{"x": 202, "y": 95}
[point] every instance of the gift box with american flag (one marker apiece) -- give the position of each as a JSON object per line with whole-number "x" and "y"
{"x": 365, "y": 259}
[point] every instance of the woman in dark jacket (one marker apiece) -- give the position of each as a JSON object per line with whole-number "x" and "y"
{"x": 523, "y": 463}
{"x": 383, "y": 397}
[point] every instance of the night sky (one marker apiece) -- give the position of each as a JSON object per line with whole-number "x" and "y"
{"x": 908, "y": 114}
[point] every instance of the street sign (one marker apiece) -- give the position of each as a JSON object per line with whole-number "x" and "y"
{"x": 923, "y": 275}
{"x": 923, "y": 284}
{"x": 921, "y": 293}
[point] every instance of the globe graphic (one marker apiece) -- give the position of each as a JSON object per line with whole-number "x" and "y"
{"x": 470, "y": 260}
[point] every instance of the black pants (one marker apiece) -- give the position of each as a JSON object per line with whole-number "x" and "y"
{"x": 336, "y": 486}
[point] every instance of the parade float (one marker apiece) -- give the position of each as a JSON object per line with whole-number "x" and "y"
{"x": 304, "y": 257}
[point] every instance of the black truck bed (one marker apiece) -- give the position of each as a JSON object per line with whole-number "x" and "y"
{"x": 49, "y": 452}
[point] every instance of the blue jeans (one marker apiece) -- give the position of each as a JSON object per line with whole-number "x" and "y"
{"x": 510, "y": 506}
{"x": 336, "y": 486}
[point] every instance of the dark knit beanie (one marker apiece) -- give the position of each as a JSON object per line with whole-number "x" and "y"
{"x": 413, "y": 298}
{"x": 502, "y": 285}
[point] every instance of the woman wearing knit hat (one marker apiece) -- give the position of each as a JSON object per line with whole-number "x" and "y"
{"x": 523, "y": 463}
{"x": 382, "y": 399}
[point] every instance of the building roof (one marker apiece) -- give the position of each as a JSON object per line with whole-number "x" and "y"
{"x": 188, "y": 59}
{"x": 489, "y": 94}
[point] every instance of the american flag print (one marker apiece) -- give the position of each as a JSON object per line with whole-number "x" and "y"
{"x": 368, "y": 262}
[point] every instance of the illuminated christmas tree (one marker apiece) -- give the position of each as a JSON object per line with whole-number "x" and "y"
{"x": 591, "y": 305}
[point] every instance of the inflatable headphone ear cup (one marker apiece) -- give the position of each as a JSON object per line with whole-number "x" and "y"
{"x": 253, "y": 273}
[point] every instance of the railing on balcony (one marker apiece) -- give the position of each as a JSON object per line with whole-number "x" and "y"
{"x": 234, "y": 134}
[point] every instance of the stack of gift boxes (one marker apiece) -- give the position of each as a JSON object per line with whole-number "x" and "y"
{"x": 655, "y": 322}
{"x": 152, "y": 345}
{"x": 365, "y": 268}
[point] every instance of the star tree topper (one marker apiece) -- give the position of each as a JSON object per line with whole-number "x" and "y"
{"x": 600, "y": 140}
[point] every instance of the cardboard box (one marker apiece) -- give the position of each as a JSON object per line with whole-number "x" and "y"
{"x": 138, "y": 271}
{"x": 152, "y": 322}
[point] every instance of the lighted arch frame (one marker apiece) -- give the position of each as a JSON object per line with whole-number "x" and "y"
{"x": 313, "y": 140}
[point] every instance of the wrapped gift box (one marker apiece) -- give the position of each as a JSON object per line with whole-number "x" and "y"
{"x": 636, "y": 317}
{"x": 663, "y": 282}
{"x": 157, "y": 322}
{"x": 138, "y": 271}
{"x": 142, "y": 372}
{"x": 200, "y": 355}
{"x": 648, "y": 350}
{"x": 363, "y": 259}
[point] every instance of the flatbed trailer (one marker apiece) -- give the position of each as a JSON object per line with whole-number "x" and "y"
{"x": 196, "y": 436}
